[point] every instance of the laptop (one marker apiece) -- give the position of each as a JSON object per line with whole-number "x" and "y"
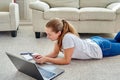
{"x": 39, "y": 72}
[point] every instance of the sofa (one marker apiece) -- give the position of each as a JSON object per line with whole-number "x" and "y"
{"x": 9, "y": 16}
{"x": 87, "y": 16}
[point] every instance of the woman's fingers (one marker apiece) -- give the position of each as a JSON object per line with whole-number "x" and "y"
{"x": 37, "y": 56}
{"x": 38, "y": 60}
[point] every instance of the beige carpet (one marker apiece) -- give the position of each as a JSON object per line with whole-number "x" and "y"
{"x": 105, "y": 69}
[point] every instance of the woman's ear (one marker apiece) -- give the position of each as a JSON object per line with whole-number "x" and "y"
{"x": 59, "y": 33}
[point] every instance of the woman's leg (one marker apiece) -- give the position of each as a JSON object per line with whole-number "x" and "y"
{"x": 117, "y": 37}
{"x": 111, "y": 40}
{"x": 113, "y": 51}
{"x": 108, "y": 47}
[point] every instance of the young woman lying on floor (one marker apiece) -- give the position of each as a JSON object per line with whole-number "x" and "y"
{"x": 72, "y": 46}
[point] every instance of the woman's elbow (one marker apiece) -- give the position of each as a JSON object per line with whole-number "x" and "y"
{"x": 67, "y": 62}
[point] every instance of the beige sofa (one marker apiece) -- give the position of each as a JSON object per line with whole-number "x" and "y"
{"x": 87, "y": 16}
{"x": 9, "y": 16}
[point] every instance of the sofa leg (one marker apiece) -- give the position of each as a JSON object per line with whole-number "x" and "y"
{"x": 37, "y": 34}
{"x": 13, "y": 33}
{"x": 17, "y": 28}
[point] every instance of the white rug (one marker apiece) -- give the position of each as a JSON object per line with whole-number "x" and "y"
{"x": 105, "y": 69}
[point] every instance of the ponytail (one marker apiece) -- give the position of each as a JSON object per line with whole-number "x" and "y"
{"x": 67, "y": 27}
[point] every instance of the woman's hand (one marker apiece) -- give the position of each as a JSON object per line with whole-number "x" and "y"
{"x": 39, "y": 58}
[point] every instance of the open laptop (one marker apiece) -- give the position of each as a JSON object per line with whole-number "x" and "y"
{"x": 39, "y": 72}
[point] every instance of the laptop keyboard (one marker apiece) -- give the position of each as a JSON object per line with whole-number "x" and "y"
{"x": 46, "y": 73}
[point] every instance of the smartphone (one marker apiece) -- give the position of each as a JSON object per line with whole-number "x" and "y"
{"x": 26, "y": 53}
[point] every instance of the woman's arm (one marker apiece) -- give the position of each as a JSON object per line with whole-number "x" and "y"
{"x": 53, "y": 54}
{"x": 65, "y": 60}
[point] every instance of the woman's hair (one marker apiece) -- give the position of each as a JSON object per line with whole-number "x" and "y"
{"x": 61, "y": 25}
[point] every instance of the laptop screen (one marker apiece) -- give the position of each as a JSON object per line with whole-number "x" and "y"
{"x": 25, "y": 67}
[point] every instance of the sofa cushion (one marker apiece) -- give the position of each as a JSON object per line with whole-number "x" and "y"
{"x": 93, "y": 13}
{"x": 96, "y": 3}
{"x": 62, "y": 12}
{"x": 62, "y": 3}
{"x": 4, "y": 17}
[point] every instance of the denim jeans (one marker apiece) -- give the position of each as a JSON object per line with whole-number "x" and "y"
{"x": 109, "y": 47}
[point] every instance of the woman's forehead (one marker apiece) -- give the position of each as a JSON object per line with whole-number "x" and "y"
{"x": 48, "y": 30}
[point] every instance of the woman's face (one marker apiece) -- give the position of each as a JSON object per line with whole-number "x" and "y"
{"x": 52, "y": 35}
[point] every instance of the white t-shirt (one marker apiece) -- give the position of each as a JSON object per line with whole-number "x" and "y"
{"x": 83, "y": 48}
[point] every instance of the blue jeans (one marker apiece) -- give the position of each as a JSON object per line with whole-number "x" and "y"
{"x": 109, "y": 47}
